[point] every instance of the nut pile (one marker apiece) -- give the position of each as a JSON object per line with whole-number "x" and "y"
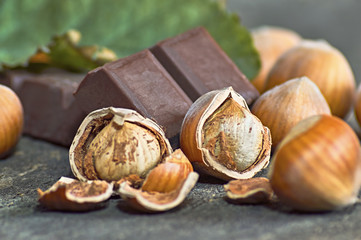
{"x": 118, "y": 149}
{"x": 307, "y": 88}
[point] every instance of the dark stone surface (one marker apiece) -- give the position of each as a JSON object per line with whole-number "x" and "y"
{"x": 205, "y": 214}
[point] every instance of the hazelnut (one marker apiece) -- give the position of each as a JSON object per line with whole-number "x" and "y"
{"x": 283, "y": 106}
{"x": 317, "y": 166}
{"x": 325, "y": 66}
{"x": 221, "y": 137}
{"x": 11, "y": 120}
{"x": 271, "y": 42}
{"x": 113, "y": 143}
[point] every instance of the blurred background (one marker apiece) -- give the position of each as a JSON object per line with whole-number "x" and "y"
{"x": 338, "y": 22}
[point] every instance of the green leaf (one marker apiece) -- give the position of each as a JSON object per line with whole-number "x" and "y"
{"x": 124, "y": 26}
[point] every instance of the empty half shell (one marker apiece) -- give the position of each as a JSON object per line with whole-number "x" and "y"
{"x": 72, "y": 195}
{"x": 249, "y": 191}
{"x": 165, "y": 187}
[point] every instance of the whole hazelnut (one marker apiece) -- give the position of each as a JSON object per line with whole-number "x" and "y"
{"x": 271, "y": 42}
{"x": 326, "y": 66}
{"x": 11, "y": 120}
{"x": 283, "y": 106}
{"x": 317, "y": 166}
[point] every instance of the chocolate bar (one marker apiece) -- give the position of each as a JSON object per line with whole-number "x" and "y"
{"x": 138, "y": 82}
{"x": 50, "y": 111}
{"x": 199, "y": 65}
{"x": 159, "y": 83}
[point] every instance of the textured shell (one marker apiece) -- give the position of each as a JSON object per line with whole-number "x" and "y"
{"x": 317, "y": 167}
{"x": 165, "y": 187}
{"x": 144, "y": 161}
{"x": 283, "y": 106}
{"x": 325, "y": 66}
{"x": 168, "y": 175}
{"x": 62, "y": 197}
{"x": 11, "y": 120}
{"x": 245, "y": 191}
{"x": 160, "y": 202}
{"x": 191, "y": 136}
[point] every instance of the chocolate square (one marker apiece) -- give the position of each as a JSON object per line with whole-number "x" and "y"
{"x": 50, "y": 111}
{"x": 138, "y": 82}
{"x": 199, "y": 65}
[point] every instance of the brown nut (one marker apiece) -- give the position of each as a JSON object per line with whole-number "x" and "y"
{"x": 325, "y": 66}
{"x": 317, "y": 167}
{"x": 71, "y": 195}
{"x": 221, "y": 137}
{"x": 113, "y": 143}
{"x": 165, "y": 187}
{"x": 283, "y": 106}
{"x": 271, "y": 42}
{"x": 11, "y": 120}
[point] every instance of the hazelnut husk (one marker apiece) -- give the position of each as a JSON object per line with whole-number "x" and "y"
{"x": 113, "y": 143}
{"x": 11, "y": 120}
{"x": 317, "y": 166}
{"x": 326, "y": 66}
{"x": 221, "y": 137}
{"x": 271, "y": 42}
{"x": 283, "y": 106}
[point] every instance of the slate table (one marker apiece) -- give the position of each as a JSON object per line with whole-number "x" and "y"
{"x": 205, "y": 214}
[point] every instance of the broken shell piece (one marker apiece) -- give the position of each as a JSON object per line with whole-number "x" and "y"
{"x": 165, "y": 187}
{"x": 249, "y": 191}
{"x": 72, "y": 195}
{"x": 221, "y": 137}
{"x": 113, "y": 143}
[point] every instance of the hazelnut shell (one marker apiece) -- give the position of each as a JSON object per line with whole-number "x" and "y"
{"x": 317, "y": 167}
{"x": 11, "y": 120}
{"x": 255, "y": 156}
{"x": 326, "y": 66}
{"x": 138, "y": 157}
{"x": 271, "y": 42}
{"x": 283, "y": 106}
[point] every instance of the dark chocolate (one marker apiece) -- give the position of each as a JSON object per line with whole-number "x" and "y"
{"x": 199, "y": 65}
{"x": 138, "y": 82}
{"x": 50, "y": 111}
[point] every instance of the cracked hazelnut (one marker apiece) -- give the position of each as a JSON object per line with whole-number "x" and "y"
{"x": 113, "y": 143}
{"x": 221, "y": 137}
